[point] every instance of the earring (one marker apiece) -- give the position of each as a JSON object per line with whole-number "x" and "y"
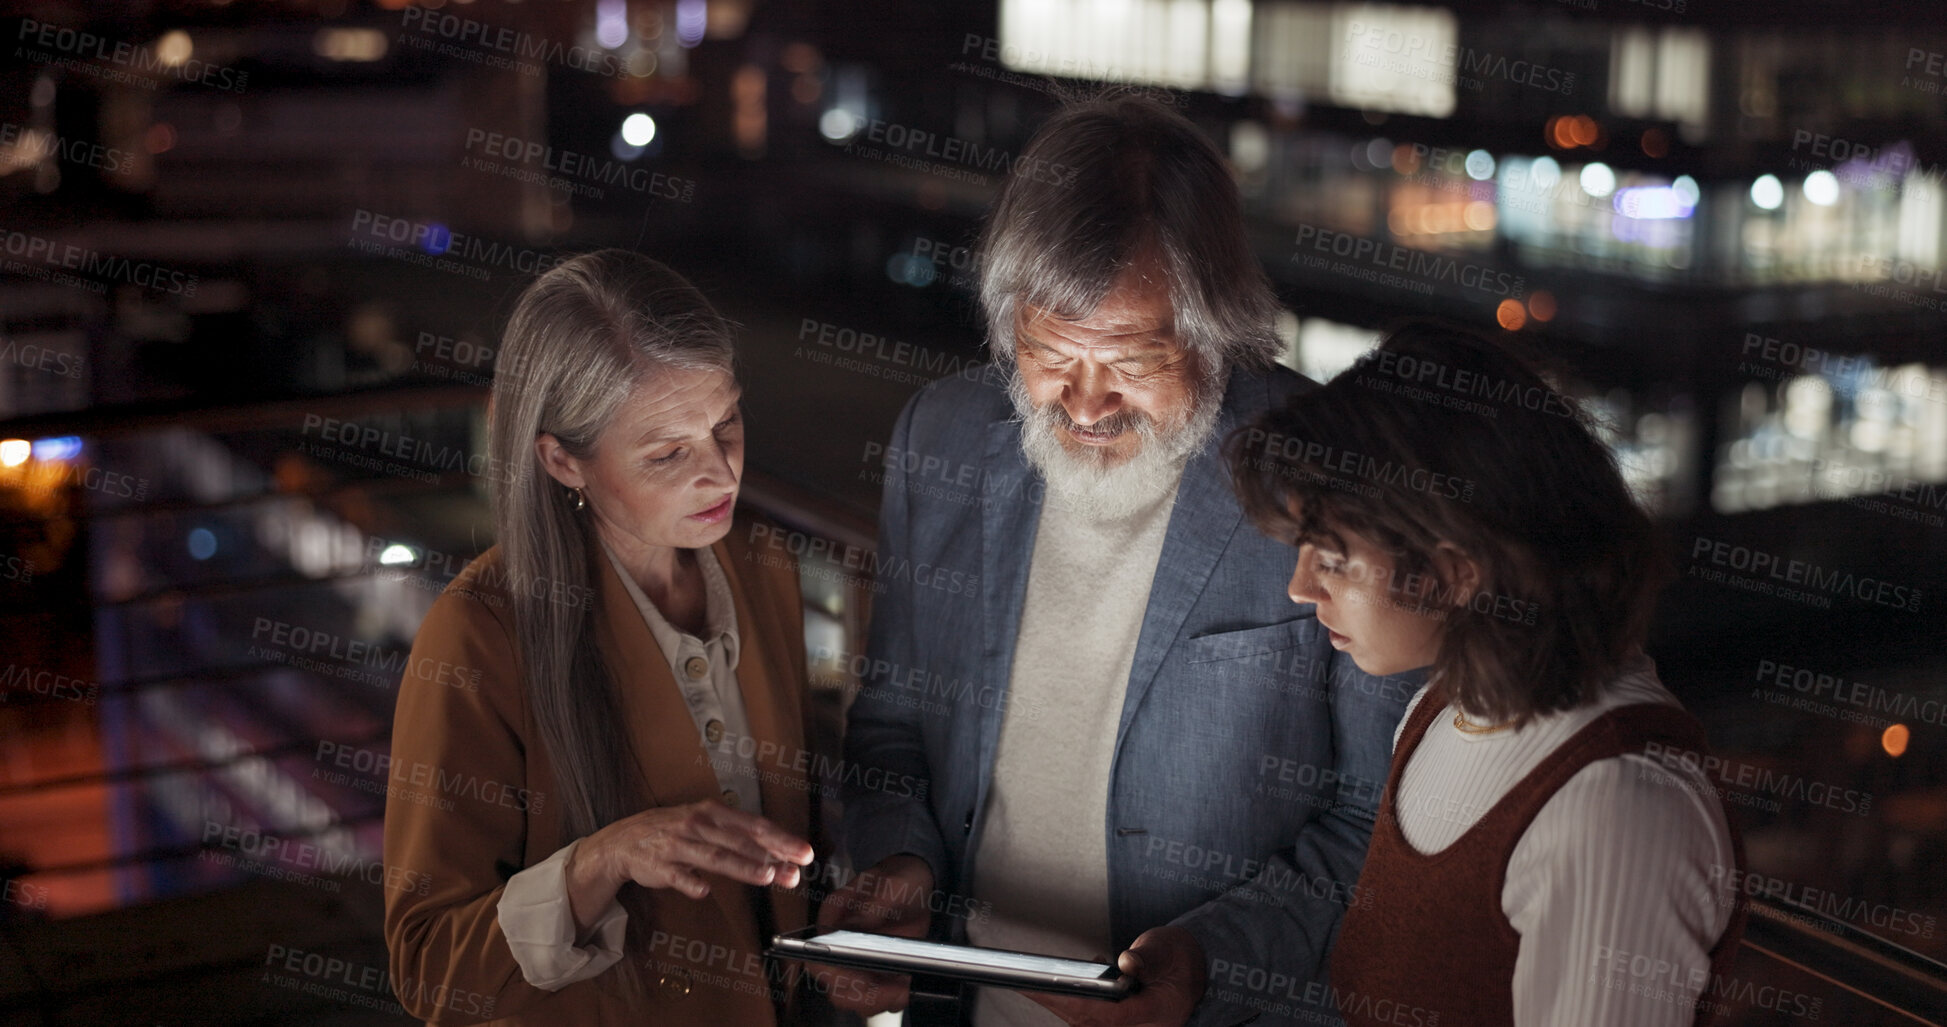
{"x": 581, "y": 501}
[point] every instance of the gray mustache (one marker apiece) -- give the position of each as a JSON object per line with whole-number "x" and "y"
{"x": 1115, "y": 424}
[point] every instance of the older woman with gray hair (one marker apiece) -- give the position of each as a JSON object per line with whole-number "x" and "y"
{"x": 574, "y": 786}
{"x": 1154, "y": 753}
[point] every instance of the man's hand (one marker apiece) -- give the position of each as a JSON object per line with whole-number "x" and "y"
{"x": 889, "y": 898}
{"x": 1167, "y": 962}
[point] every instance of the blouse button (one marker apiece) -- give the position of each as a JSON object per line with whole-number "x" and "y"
{"x": 730, "y": 798}
{"x": 713, "y": 732}
{"x": 696, "y": 667}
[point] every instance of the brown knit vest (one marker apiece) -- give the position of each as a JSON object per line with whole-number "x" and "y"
{"x": 1428, "y": 936}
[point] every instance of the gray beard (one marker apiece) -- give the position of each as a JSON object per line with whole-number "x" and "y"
{"x": 1093, "y": 486}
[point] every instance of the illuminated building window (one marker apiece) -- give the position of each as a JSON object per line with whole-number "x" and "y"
{"x": 1138, "y": 42}
{"x": 1394, "y": 58}
{"x": 1662, "y": 74}
{"x": 1922, "y": 212}
{"x": 1376, "y": 56}
{"x": 1319, "y": 349}
{"x": 1655, "y": 447}
{"x": 1294, "y": 50}
{"x": 1849, "y": 430}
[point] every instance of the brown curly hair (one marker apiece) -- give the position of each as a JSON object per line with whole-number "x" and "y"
{"x": 1441, "y": 435}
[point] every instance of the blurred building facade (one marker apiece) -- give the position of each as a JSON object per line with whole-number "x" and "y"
{"x": 256, "y": 259}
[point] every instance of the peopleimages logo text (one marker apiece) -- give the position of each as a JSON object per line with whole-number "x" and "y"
{"x": 1799, "y": 572}
{"x": 431, "y": 239}
{"x": 144, "y": 60}
{"x": 1461, "y": 381}
{"x": 965, "y": 151}
{"x": 1317, "y": 459}
{"x": 510, "y": 42}
{"x": 566, "y": 167}
{"x": 52, "y": 254}
{"x": 1420, "y": 264}
{"x": 1782, "y": 677}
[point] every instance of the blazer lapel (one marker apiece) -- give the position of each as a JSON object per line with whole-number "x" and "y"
{"x": 675, "y": 769}
{"x": 1009, "y": 519}
{"x": 774, "y": 705}
{"x": 668, "y": 752}
{"x": 1202, "y": 522}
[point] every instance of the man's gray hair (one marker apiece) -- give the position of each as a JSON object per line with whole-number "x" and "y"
{"x": 1103, "y": 181}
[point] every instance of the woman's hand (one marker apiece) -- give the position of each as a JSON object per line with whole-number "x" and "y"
{"x": 889, "y": 898}
{"x": 674, "y": 847}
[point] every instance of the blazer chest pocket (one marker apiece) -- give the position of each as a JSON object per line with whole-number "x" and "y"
{"x": 1256, "y": 645}
{"x": 1257, "y": 688}
{"x": 1283, "y": 658}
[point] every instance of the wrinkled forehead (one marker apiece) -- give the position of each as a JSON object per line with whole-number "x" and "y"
{"x": 1128, "y": 322}
{"x": 674, "y": 403}
{"x": 1113, "y": 341}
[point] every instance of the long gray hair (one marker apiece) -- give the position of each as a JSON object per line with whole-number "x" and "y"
{"x": 1102, "y": 181}
{"x": 581, "y": 338}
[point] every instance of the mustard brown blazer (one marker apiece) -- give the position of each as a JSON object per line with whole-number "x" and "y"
{"x": 471, "y": 801}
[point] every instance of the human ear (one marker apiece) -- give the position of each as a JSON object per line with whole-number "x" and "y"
{"x": 1458, "y": 570}
{"x": 558, "y": 462}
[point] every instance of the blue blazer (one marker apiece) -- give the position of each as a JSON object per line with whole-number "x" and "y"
{"x": 1249, "y": 754}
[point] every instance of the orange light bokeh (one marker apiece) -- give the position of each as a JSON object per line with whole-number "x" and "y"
{"x": 1541, "y": 305}
{"x": 1566, "y": 132}
{"x": 1582, "y": 129}
{"x": 1405, "y": 160}
{"x": 1894, "y": 740}
{"x": 161, "y": 137}
{"x": 1510, "y": 315}
{"x": 800, "y": 58}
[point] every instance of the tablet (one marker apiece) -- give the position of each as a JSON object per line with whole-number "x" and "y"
{"x": 996, "y": 967}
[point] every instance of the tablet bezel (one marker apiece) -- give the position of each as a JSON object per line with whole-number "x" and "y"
{"x": 803, "y": 944}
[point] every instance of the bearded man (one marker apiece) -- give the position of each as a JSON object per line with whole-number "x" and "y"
{"x": 1122, "y": 738}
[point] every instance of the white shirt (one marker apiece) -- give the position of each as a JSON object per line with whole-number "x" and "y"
{"x": 534, "y": 911}
{"x": 1628, "y": 859}
{"x": 1043, "y": 858}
